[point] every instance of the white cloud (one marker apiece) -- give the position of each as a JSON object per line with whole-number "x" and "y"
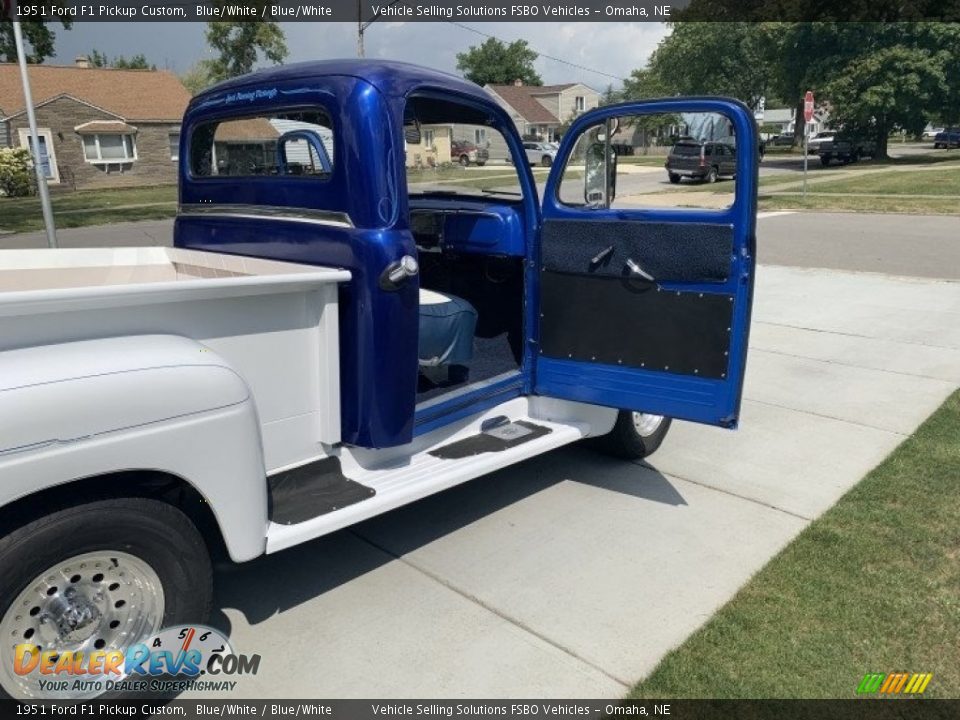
{"x": 611, "y": 47}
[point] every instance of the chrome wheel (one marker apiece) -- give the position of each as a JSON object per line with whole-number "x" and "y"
{"x": 96, "y": 601}
{"x": 646, "y": 424}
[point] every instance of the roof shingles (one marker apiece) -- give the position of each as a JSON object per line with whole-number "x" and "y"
{"x": 521, "y": 98}
{"x": 134, "y": 95}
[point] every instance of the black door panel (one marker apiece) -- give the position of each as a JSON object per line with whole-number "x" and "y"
{"x": 669, "y": 252}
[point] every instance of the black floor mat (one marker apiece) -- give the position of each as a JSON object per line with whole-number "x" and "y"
{"x": 312, "y": 490}
{"x": 484, "y": 442}
{"x": 491, "y": 357}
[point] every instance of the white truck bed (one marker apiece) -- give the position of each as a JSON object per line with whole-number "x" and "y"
{"x": 274, "y": 323}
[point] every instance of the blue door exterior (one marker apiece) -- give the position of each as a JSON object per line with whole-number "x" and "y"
{"x": 660, "y": 322}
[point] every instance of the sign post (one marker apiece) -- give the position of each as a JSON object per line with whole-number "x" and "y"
{"x": 807, "y": 119}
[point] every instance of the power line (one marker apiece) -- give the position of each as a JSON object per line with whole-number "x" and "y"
{"x": 539, "y": 54}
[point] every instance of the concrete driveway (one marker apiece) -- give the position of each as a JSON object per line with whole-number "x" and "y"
{"x": 572, "y": 574}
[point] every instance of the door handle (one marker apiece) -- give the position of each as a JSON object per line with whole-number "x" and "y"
{"x": 635, "y": 269}
{"x": 399, "y": 272}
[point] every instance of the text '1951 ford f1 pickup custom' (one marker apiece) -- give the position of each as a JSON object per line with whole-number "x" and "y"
{"x": 347, "y": 321}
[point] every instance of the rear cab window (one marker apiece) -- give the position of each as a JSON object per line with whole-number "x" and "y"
{"x": 294, "y": 143}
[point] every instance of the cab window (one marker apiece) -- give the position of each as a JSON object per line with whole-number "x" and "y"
{"x": 281, "y": 144}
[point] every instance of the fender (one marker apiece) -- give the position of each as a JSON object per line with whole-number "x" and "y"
{"x": 154, "y": 402}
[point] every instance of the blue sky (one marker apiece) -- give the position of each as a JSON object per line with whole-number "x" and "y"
{"x": 614, "y": 48}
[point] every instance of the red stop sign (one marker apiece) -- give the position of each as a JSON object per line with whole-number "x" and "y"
{"x": 808, "y": 106}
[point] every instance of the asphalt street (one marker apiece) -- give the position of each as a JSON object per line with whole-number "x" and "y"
{"x": 914, "y": 245}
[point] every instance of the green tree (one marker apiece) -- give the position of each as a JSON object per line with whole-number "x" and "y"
{"x": 876, "y": 77}
{"x": 198, "y": 77}
{"x": 496, "y": 63}
{"x": 137, "y": 62}
{"x": 37, "y": 36}
{"x": 240, "y": 43}
{"x": 705, "y": 58}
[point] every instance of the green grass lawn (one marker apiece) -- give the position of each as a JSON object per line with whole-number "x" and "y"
{"x": 871, "y": 586}
{"x": 865, "y": 204}
{"x": 90, "y": 207}
{"x": 655, "y": 160}
{"x": 901, "y": 182}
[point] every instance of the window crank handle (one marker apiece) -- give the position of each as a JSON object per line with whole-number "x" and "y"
{"x": 639, "y": 271}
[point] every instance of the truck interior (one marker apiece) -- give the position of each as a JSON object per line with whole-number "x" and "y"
{"x": 469, "y": 233}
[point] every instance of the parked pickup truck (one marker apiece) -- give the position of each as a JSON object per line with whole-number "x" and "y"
{"x": 845, "y": 149}
{"x": 316, "y": 346}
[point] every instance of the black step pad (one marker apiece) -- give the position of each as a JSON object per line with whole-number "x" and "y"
{"x": 485, "y": 442}
{"x": 312, "y": 490}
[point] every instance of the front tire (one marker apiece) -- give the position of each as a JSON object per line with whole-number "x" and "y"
{"x": 634, "y": 436}
{"x": 674, "y": 178}
{"x": 546, "y": 161}
{"x": 100, "y": 575}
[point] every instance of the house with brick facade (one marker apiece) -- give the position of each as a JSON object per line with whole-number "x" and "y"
{"x": 98, "y": 127}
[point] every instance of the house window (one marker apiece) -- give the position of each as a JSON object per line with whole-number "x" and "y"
{"x": 109, "y": 148}
{"x": 174, "y": 140}
{"x": 480, "y": 137}
{"x": 428, "y": 139}
{"x": 48, "y": 155}
{"x": 579, "y": 103}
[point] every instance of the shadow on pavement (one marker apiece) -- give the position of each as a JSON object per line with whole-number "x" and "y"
{"x": 275, "y": 583}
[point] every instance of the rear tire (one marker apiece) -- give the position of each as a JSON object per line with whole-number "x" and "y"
{"x": 825, "y": 160}
{"x": 76, "y": 555}
{"x": 464, "y": 160}
{"x": 711, "y": 177}
{"x": 634, "y": 436}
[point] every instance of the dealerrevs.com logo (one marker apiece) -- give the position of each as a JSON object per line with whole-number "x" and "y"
{"x": 177, "y": 659}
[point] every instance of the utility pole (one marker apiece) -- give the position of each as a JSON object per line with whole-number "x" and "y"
{"x": 34, "y": 136}
{"x": 360, "y": 28}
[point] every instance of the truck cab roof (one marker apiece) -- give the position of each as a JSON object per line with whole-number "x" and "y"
{"x": 390, "y": 77}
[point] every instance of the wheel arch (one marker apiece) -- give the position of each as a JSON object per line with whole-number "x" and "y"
{"x": 158, "y": 485}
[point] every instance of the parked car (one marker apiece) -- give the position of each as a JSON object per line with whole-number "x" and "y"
{"x": 540, "y": 153}
{"x": 257, "y": 384}
{"x": 817, "y": 139}
{"x": 783, "y": 140}
{"x": 947, "y": 139}
{"x": 465, "y": 152}
{"x": 706, "y": 161}
{"x": 846, "y": 149}
{"x": 931, "y": 133}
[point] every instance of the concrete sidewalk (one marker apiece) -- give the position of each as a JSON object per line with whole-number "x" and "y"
{"x": 572, "y": 574}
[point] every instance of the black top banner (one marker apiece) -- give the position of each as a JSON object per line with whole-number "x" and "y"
{"x": 483, "y": 10}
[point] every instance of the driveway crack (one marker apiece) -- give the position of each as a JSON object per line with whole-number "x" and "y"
{"x": 490, "y": 608}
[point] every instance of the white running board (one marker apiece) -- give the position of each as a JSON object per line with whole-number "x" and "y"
{"x": 422, "y": 475}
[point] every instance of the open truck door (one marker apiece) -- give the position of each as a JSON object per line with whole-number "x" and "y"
{"x": 644, "y": 304}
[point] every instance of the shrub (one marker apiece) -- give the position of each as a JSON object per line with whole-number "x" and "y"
{"x": 16, "y": 177}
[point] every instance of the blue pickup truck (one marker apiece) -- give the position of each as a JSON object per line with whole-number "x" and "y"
{"x": 348, "y": 321}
